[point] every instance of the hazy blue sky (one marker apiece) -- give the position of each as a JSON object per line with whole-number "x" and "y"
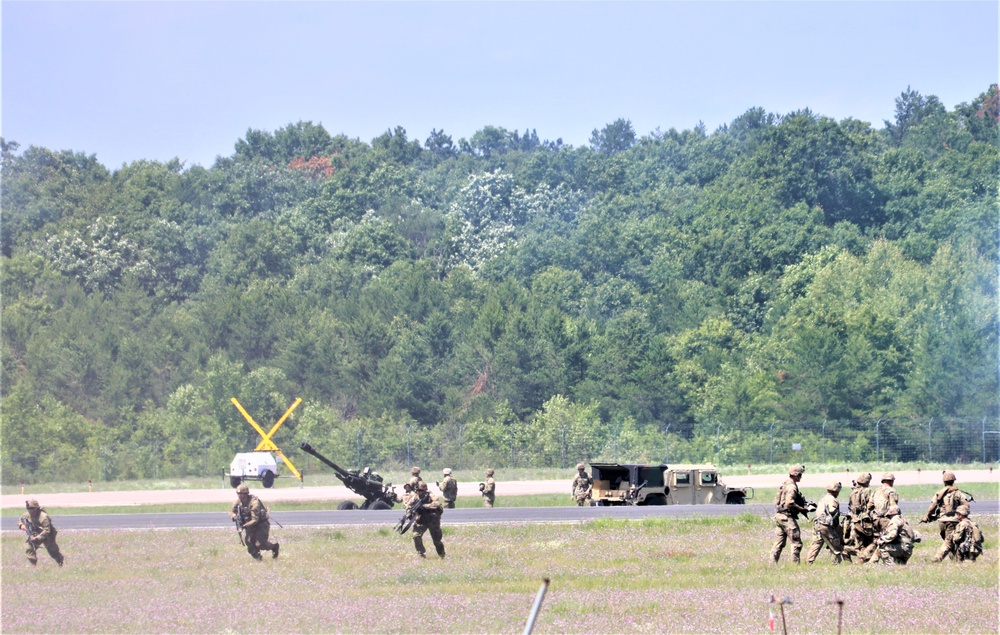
{"x": 157, "y": 80}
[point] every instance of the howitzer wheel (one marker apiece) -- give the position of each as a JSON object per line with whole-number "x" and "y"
{"x": 347, "y": 505}
{"x": 380, "y": 504}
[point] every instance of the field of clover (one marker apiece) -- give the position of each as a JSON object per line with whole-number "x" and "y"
{"x": 608, "y": 576}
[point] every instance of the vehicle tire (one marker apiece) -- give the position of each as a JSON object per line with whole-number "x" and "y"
{"x": 734, "y": 499}
{"x": 379, "y": 504}
{"x": 235, "y": 481}
{"x": 655, "y": 499}
{"x": 347, "y": 505}
{"x": 267, "y": 478}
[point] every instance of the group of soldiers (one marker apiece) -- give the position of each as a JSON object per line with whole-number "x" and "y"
{"x": 425, "y": 509}
{"x": 874, "y": 529}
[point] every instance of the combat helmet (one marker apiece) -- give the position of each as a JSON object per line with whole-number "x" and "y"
{"x": 415, "y": 470}
{"x": 243, "y": 489}
{"x": 948, "y": 476}
{"x": 489, "y": 472}
{"x": 580, "y": 467}
{"x": 888, "y": 476}
{"x": 963, "y": 510}
{"x": 31, "y": 503}
{"x": 421, "y": 486}
{"x": 833, "y": 487}
{"x": 865, "y": 479}
{"x": 796, "y": 470}
{"x": 447, "y": 471}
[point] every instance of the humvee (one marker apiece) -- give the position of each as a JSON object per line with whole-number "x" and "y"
{"x": 636, "y": 484}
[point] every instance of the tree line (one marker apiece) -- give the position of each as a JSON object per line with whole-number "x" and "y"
{"x": 512, "y": 300}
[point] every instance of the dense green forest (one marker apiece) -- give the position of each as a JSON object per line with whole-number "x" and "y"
{"x": 509, "y": 301}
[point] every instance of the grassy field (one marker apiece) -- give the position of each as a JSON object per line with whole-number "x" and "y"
{"x": 608, "y": 576}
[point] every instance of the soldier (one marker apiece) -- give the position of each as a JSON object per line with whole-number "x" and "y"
{"x": 788, "y": 504}
{"x": 488, "y": 489}
{"x": 860, "y": 531}
{"x": 582, "y": 485}
{"x": 944, "y": 505}
{"x": 966, "y": 540}
{"x": 827, "y": 527}
{"x": 415, "y": 477}
{"x": 882, "y": 499}
{"x": 37, "y": 524}
{"x": 427, "y": 517}
{"x": 895, "y": 544}
{"x": 255, "y": 521}
{"x": 449, "y": 489}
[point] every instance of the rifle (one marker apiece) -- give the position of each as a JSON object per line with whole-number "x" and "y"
{"x": 27, "y": 531}
{"x": 410, "y": 516}
{"x": 238, "y": 521}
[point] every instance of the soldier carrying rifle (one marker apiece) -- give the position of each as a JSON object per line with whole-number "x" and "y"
{"x": 423, "y": 512}
{"x": 39, "y": 529}
{"x": 253, "y": 522}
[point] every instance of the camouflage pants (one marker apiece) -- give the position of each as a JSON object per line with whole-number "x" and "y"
{"x": 256, "y": 539}
{"x": 488, "y": 501}
{"x": 830, "y": 536}
{"x": 860, "y": 535}
{"x": 581, "y": 501}
{"x": 31, "y": 548}
{"x": 895, "y": 553}
{"x": 418, "y": 537}
{"x": 449, "y": 504}
{"x": 786, "y": 529}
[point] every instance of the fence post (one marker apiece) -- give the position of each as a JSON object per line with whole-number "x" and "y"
{"x": 564, "y": 446}
{"x": 718, "y": 449}
{"x": 930, "y": 452}
{"x": 771, "y": 433}
{"x": 823, "y": 442}
{"x": 461, "y": 429}
{"x": 984, "y": 440}
{"x": 666, "y": 444}
{"x": 878, "y": 423}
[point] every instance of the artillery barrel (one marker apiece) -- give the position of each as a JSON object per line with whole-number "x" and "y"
{"x": 341, "y": 472}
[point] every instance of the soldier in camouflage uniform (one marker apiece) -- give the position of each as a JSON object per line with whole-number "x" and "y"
{"x": 256, "y": 522}
{"x": 449, "y": 489}
{"x": 860, "y": 530}
{"x": 582, "y": 485}
{"x": 37, "y": 524}
{"x": 415, "y": 477}
{"x": 827, "y": 527}
{"x": 965, "y": 541}
{"x": 944, "y": 505}
{"x": 488, "y": 489}
{"x": 788, "y": 504}
{"x": 895, "y": 543}
{"x": 883, "y": 498}
{"x": 427, "y": 518}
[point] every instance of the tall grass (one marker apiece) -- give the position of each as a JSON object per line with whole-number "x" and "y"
{"x": 608, "y": 576}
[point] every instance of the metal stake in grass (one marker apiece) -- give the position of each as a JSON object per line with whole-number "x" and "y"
{"x": 781, "y": 602}
{"x": 840, "y": 612}
{"x": 537, "y": 607}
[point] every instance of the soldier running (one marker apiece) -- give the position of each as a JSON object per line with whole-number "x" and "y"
{"x": 426, "y": 518}
{"x": 40, "y": 530}
{"x": 827, "y": 527}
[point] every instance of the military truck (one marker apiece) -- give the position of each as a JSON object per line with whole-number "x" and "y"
{"x": 639, "y": 484}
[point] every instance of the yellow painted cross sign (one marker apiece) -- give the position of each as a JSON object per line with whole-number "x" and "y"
{"x": 266, "y": 444}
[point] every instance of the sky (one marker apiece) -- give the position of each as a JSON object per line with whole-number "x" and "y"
{"x": 186, "y": 79}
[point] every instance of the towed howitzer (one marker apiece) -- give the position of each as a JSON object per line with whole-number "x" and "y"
{"x": 366, "y": 483}
{"x": 410, "y": 516}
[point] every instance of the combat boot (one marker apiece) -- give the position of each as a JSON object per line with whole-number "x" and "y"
{"x": 274, "y": 552}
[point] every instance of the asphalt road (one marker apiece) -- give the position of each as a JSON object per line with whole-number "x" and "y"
{"x": 388, "y": 518}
